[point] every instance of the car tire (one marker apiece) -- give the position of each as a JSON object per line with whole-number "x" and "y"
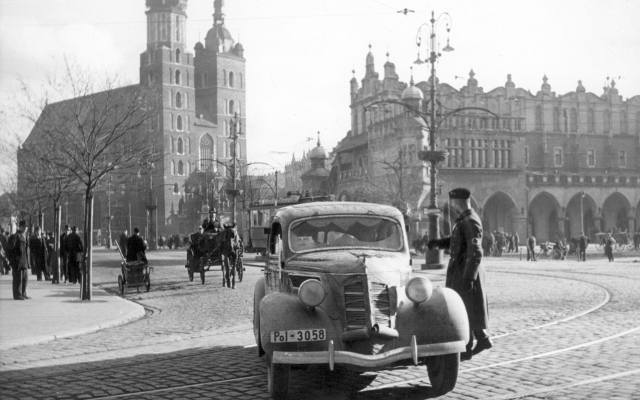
{"x": 278, "y": 380}
{"x": 443, "y": 372}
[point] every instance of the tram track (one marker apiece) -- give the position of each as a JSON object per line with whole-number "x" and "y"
{"x": 600, "y": 305}
{"x": 547, "y": 274}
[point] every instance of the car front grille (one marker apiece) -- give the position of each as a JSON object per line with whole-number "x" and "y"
{"x": 355, "y": 304}
{"x": 361, "y": 296}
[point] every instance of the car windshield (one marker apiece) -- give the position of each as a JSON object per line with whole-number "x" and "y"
{"x": 345, "y": 231}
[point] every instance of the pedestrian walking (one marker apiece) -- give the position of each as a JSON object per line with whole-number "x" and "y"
{"x": 19, "y": 259}
{"x": 636, "y": 240}
{"x": 38, "y": 247}
{"x": 4, "y": 245}
{"x": 583, "y": 242}
{"x": 64, "y": 257}
{"x": 609, "y": 242}
{"x": 516, "y": 242}
{"x": 74, "y": 250}
{"x": 531, "y": 248}
{"x": 465, "y": 273}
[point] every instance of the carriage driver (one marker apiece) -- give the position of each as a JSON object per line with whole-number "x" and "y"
{"x": 136, "y": 247}
{"x": 211, "y": 224}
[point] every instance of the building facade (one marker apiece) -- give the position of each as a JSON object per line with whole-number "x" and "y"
{"x": 203, "y": 100}
{"x": 552, "y": 165}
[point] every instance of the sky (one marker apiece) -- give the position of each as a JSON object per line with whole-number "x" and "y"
{"x": 300, "y": 53}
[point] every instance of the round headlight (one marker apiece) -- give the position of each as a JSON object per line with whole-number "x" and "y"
{"x": 419, "y": 289}
{"x": 311, "y": 293}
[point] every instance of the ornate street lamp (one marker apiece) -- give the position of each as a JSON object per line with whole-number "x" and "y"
{"x": 433, "y": 118}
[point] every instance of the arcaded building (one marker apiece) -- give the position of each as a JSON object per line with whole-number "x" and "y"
{"x": 202, "y": 101}
{"x": 550, "y": 164}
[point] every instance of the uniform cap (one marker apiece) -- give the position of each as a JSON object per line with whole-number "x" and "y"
{"x": 460, "y": 193}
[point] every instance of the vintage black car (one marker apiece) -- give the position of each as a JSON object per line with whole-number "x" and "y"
{"x": 338, "y": 290}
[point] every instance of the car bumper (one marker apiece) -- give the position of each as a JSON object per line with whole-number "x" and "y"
{"x": 331, "y": 357}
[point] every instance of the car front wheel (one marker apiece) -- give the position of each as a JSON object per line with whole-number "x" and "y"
{"x": 443, "y": 372}
{"x": 278, "y": 379}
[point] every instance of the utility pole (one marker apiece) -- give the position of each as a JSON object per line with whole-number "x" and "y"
{"x": 234, "y": 190}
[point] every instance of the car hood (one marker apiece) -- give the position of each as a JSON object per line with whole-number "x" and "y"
{"x": 389, "y": 267}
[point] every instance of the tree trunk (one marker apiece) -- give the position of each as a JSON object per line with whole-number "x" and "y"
{"x": 57, "y": 219}
{"x": 88, "y": 246}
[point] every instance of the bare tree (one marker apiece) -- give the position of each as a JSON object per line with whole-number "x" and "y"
{"x": 90, "y": 135}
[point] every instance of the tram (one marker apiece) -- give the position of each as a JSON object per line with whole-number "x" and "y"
{"x": 261, "y": 212}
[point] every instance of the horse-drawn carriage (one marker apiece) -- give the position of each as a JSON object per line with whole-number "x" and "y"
{"x": 216, "y": 247}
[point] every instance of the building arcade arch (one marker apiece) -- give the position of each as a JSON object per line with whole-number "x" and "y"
{"x": 499, "y": 213}
{"x": 545, "y": 217}
{"x": 590, "y": 216}
{"x": 615, "y": 213}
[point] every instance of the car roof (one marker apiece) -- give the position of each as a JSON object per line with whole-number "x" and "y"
{"x": 289, "y": 213}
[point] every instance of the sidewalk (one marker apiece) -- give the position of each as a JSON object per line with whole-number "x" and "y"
{"x": 55, "y": 311}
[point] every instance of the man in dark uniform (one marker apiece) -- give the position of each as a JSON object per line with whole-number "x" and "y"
{"x": 583, "y": 241}
{"x": 465, "y": 274}
{"x": 136, "y": 245}
{"x": 38, "y": 246}
{"x": 19, "y": 259}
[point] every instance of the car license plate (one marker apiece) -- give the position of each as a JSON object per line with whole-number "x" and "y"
{"x": 299, "y": 335}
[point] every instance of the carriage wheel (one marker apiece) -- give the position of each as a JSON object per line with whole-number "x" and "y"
{"x": 120, "y": 285}
{"x": 239, "y": 269}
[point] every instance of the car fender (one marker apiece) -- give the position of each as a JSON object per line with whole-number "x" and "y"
{"x": 442, "y": 318}
{"x": 282, "y": 312}
{"x": 258, "y": 294}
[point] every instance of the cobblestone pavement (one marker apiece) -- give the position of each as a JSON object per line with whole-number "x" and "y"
{"x": 562, "y": 329}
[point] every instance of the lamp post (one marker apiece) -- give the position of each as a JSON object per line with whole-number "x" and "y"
{"x": 433, "y": 118}
{"x": 235, "y": 134}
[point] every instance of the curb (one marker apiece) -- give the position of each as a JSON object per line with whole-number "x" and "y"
{"x": 136, "y": 313}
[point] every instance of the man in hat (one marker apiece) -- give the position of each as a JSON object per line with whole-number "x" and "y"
{"x": 136, "y": 247}
{"x": 19, "y": 259}
{"x": 465, "y": 274}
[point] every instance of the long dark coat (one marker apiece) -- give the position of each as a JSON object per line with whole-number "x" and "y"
{"x": 135, "y": 245}
{"x": 39, "y": 250}
{"x": 465, "y": 246}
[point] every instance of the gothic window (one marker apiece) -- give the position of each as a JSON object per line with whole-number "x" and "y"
{"x": 231, "y": 107}
{"x": 624, "y": 129}
{"x": 565, "y": 121}
{"x": 607, "y": 121}
{"x": 622, "y": 158}
{"x": 556, "y": 119}
{"x": 177, "y": 37}
{"x": 179, "y": 123}
{"x": 591, "y": 121}
{"x": 231, "y": 79}
{"x": 557, "y": 157}
{"x": 178, "y": 100}
{"x": 526, "y": 155}
{"x": 176, "y": 188}
{"x": 180, "y": 168}
{"x": 591, "y": 158}
{"x": 206, "y": 153}
{"x": 573, "y": 121}
{"x": 178, "y": 56}
{"x": 538, "y": 122}
{"x": 177, "y": 77}
{"x": 180, "y": 146}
